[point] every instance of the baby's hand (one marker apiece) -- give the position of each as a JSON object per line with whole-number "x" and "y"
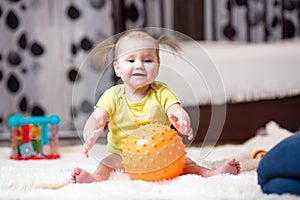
{"x": 90, "y": 140}
{"x": 182, "y": 126}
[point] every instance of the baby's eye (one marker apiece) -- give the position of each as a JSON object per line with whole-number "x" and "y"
{"x": 148, "y": 61}
{"x": 130, "y": 60}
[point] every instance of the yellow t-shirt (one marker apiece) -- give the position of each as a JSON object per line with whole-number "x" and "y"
{"x": 125, "y": 116}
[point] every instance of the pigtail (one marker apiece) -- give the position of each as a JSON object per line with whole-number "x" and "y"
{"x": 171, "y": 41}
{"x": 102, "y": 49}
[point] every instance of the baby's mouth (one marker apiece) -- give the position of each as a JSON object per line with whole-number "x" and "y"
{"x": 138, "y": 74}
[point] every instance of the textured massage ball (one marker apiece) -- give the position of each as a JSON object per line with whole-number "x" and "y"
{"x": 153, "y": 152}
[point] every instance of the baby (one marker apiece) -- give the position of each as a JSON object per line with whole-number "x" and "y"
{"x": 139, "y": 100}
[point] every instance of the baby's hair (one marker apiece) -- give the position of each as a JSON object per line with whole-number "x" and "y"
{"x": 170, "y": 41}
{"x": 103, "y": 48}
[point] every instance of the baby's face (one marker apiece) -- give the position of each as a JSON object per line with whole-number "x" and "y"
{"x": 137, "y": 62}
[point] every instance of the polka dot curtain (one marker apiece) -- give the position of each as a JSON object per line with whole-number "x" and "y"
{"x": 236, "y": 29}
{"x": 42, "y": 44}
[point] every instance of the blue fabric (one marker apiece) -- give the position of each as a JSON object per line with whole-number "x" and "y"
{"x": 282, "y": 185}
{"x": 279, "y": 170}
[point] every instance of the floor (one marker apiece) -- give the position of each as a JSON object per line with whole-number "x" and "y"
{"x": 78, "y": 141}
{"x": 62, "y": 142}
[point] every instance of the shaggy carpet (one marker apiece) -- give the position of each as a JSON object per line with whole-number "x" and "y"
{"x": 49, "y": 179}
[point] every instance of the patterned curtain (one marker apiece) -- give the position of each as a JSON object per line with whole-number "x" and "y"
{"x": 42, "y": 47}
{"x": 236, "y": 29}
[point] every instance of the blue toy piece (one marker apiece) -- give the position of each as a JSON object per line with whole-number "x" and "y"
{"x": 17, "y": 120}
{"x": 26, "y": 150}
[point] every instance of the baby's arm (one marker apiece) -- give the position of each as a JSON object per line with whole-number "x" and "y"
{"x": 94, "y": 126}
{"x": 180, "y": 120}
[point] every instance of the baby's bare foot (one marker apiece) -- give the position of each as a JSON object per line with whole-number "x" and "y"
{"x": 230, "y": 167}
{"x": 81, "y": 176}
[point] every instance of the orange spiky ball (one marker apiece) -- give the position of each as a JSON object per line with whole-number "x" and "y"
{"x": 153, "y": 152}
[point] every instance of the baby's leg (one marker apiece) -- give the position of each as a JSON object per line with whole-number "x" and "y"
{"x": 231, "y": 167}
{"x": 82, "y": 176}
{"x": 106, "y": 166}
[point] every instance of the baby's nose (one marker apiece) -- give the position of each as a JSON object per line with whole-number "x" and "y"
{"x": 139, "y": 64}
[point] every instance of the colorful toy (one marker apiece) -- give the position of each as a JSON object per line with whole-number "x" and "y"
{"x": 153, "y": 152}
{"x": 30, "y": 137}
{"x": 258, "y": 154}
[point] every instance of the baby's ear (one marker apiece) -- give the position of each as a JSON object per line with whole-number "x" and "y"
{"x": 116, "y": 68}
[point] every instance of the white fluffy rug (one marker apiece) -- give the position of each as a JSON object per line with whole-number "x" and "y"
{"x": 50, "y": 179}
